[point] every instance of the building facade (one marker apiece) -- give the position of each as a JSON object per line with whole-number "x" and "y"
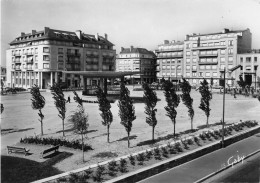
{"x": 137, "y": 59}
{"x": 169, "y": 62}
{"x": 250, "y": 67}
{"x": 3, "y": 75}
{"x": 40, "y": 57}
{"x": 206, "y": 55}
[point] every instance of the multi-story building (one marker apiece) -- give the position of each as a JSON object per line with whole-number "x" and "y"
{"x": 40, "y": 57}
{"x": 206, "y": 55}
{"x": 170, "y": 60}
{"x": 3, "y": 74}
{"x": 137, "y": 59}
{"x": 250, "y": 67}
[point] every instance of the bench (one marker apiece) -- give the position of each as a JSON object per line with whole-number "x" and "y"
{"x": 49, "y": 151}
{"x": 12, "y": 149}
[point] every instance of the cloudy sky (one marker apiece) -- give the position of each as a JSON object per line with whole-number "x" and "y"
{"x": 141, "y": 23}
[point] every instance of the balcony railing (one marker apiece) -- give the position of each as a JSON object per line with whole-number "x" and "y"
{"x": 108, "y": 63}
{"x": 170, "y": 56}
{"x": 73, "y": 54}
{"x": 208, "y": 55}
{"x": 207, "y": 63}
{"x": 73, "y": 62}
{"x": 169, "y": 50}
{"x": 28, "y": 53}
{"x": 209, "y": 47}
{"x": 92, "y": 63}
{"x": 92, "y": 56}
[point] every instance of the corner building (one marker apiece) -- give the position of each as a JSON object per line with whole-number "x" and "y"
{"x": 40, "y": 57}
{"x": 137, "y": 60}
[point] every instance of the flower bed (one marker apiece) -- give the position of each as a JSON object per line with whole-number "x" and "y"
{"x": 120, "y": 166}
{"x": 75, "y": 144}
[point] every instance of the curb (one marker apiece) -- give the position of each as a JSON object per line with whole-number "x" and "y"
{"x": 225, "y": 168}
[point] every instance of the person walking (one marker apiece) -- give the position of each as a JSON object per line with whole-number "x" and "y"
{"x": 68, "y": 99}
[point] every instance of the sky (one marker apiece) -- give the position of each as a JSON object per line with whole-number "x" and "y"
{"x": 140, "y": 23}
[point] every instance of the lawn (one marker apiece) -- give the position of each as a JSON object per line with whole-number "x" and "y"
{"x": 22, "y": 121}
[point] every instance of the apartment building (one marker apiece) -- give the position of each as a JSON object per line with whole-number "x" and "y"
{"x": 3, "y": 75}
{"x": 206, "y": 55}
{"x": 250, "y": 67}
{"x": 40, "y": 57}
{"x": 169, "y": 62}
{"x": 137, "y": 59}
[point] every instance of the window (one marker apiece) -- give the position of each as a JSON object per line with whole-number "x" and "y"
{"x": 248, "y": 59}
{"x": 214, "y": 67}
{"x": 222, "y": 52}
{"x": 241, "y": 59}
{"x": 202, "y": 60}
{"x": 188, "y": 60}
{"x": 173, "y": 67}
{"x": 194, "y": 53}
{"x": 230, "y": 51}
{"x": 194, "y": 67}
{"x": 248, "y": 68}
{"x": 194, "y": 60}
{"x": 214, "y": 74}
{"x": 202, "y": 67}
{"x": 255, "y": 59}
{"x": 230, "y": 66}
{"x": 222, "y": 59}
{"x": 46, "y": 57}
{"x": 46, "y": 66}
{"x": 178, "y": 67}
{"x": 36, "y": 65}
{"x": 222, "y": 66}
{"x": 201, "y": 74}
{"x": 60, "y": 58}
{"x": 216, "y": 43}
{"x": 223, "y": 43}
{"x": 208, "y": 67}
{"x": 204, "y": 44}
{"x": 168, "y": 67}
{"x": 203, "y": 52}
{"x": 230, "y": 43}
{"x": 60, "y": 50}
{"x": 188, "y": 46}
{"x": 187, "y": 67}
{"x": 187, "y": 74}
{"x": 194, "y": 45}
{"x": 210, "y": 44}
{"x": 194, "y": 74}
{"x": 173, "y": 74}
{"x": 207, "y": 74}
{"x": 36, "y": 50}
{"x": 230, "y": 59}
{"x": 188, "y": 53}
{"x": 214, "y": 60}
{"x": 46, "y": 50}
{"x": 164, "y": 67}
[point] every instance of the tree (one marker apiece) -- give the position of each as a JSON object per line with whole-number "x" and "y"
{"x": 206, "y": 96}
{"x": 241, "y": 82}
{"x": 186, "y": 99}
{"x": 79, "y": 123}
{"x": 38, "y": 102}
{"x": 2, "y": 87}
{"x": 60, "y": 103}
{"x": 2, "y": 108}
{"x": 126, "y": 109}
{"x": 78, "y": 99}
{"x": 172, "y": 100}
{"x": 150, "y": 98}
{"x": 104, "y": 107}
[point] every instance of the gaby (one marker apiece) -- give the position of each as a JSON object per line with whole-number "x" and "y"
{"x": 233, "y": 160}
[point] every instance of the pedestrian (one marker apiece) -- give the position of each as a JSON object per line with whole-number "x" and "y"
{"x": 68, "y": 99}
{"x": 235, "y": 93}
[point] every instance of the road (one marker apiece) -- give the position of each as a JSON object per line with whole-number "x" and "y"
{"x": 248, "y": 171}
{"x": 207, "y": 164}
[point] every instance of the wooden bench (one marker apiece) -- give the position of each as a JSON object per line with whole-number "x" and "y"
{"x": 12, "y": 149}
{"x": 49, "y": 151}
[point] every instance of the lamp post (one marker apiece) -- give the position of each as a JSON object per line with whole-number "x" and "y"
{"x": 223, "y": 114}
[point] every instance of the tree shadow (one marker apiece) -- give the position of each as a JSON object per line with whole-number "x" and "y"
{"x": 17, "y": 169}
{"x": 11, "y": 130}
{"x": 126, "y": 138}
{"x": 56, "y": 158}
{"x": 71, "y": 129}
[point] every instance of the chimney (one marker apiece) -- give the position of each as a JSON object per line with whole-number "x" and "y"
{"x": 78, "y": 34}
{"x": 131, "y": 48}
{"x": 33, "y": 32}
{"x": 22, "y": 33}
{"x": 105, "y": 36}
{"x": 166, "y": 41}
{"x": 225, "y": 30}
{"x": 122, "y": 48}
{"x": 96, "y": 36}
{"x": 46, "y": 30}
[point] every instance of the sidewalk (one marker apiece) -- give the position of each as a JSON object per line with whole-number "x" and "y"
{"x": 201, "y": 167}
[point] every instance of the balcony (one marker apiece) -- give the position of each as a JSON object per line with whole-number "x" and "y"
{"x": 209, "y": 55}
{"x": 73, "y": 54}
{"x": 73, "y": 62}
{"x": 92, "y": 56}
{"x": 171, "y": 56}
{"x": 17, "y": 61}
{"x": 92, "y": 63}
{"x": 209, "y": 47}
{"x": 169, "y": 50}
{"x": 208, "y": 63}
{"x": 108, "y": 56}
{"x": 28, "y": 53}
{"x": 108, "y": 63}
{"x": 17, "y": 68}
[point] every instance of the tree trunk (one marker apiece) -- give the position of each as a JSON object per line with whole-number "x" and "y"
{"x": 191, "y": 121}
{"x": 41, "y": 116}
{"x": 174, "y": 128}
{"x": 82, "y": 147}
{"x": 153, "y": 134}
{"x": 128, "y": 133}
{"x": 41, "y": 128}
{"x": 207, "y": 121}
{"x": 63, "y": 133}
{"x": 108, "y": 133}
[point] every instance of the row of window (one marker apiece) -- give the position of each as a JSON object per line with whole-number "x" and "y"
{"x": 217, "y": 36}
{"x": 170, "y": 54}
{"x": 248, "y": 59}
{"x": 30, "y": 66}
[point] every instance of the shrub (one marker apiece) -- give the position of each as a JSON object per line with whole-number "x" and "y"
{"x": 171, "y": 149}
{"x": 190, "y": 142}
{"x": 74, "y": 177}
{"x": 184, "y": 142}
{"x": 140, "y": 158}
{"x": 216, "y": 132}
{"x": 178, "y": 147}
{"x": 157, "y": 154}
{"x": 112, "y": 166}
{"x": 148, "y": 155}
{"x": 97, "y": 177}
{"x": 202, "y": 136}
{"x": 62, "y": 179}
{"x": 197, "y": 141}
{"x": 87, "y": 173}
{"x": 132, "y": 160}
{"x": 122, "y": 165}
{"x": 75, "y": 144}
{"x": 164, "y": 152}
{"x": 207, "y": 135}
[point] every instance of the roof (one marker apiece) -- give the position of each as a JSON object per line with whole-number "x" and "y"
{"x": 172, "y": 43}
{"x": 235, "y": 31}
{"x": 60, "y": 35}
{"x": 96, "y": 74}
{"x": 136, "y": 50}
